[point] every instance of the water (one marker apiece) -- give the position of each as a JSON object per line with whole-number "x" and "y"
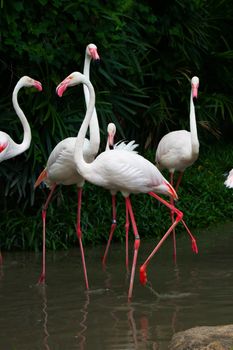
{"x": 197, "y": 291}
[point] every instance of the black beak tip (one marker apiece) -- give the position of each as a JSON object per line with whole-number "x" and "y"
{"x": 194, "y": 100}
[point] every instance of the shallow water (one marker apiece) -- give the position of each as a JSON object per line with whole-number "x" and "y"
{"x": 62, "y": 315}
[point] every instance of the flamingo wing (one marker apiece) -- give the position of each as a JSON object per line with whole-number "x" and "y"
{"x": 124, "y": 171}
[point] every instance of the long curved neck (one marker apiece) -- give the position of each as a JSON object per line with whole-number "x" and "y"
{"x": 27, "y": 136}
{"x": 193, "y": 128}
{"x": 81, "y": 165}
{"x": 94, "y": 125}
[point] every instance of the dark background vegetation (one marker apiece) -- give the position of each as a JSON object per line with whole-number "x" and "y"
{"x": 149, "y": 51}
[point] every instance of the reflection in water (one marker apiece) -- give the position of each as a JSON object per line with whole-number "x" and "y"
{"x": 196, "y": 291}
{"x": 42, "y": 291}
{"x": 81, "y": 337}
{"x": 1, "y": 271}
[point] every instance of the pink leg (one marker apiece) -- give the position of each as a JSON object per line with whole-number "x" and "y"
{"x": 113, "y": 226}
{"x": 1, "y": 258}
{"x": 172, "y": 218}
{"x": 136, "y": 246}
{"x": 44, "y": 210}
{"x": 143, "y": 277}
{"x": 79, "y": 235}
{"x": 194, "y": 244}
{"x": 126, "y": 238}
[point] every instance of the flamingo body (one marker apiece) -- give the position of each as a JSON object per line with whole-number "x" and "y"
{"x": 175, "y": 152}
{"x": 60, "y": 168}
{"x": 127, "y": 172}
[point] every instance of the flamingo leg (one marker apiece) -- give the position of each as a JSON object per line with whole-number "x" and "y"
{"x": 127, "y": 223}
{"x": 44, "y": 211}
{"x": 194, "y": 244}
{"x": 113, "y": 226}
{"x": 179, "y": 180}
{"x": 136, "y": 246}
{"x": 172, "y": 219}
{"x": 79, "y": 235}
{"x": 179, "y": 217}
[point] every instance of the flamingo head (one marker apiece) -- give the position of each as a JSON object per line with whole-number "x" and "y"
{"x": 91, "y": 51}
{"x": 195, "y": 85}
{"x": 29, "y": 82}
{"x": 166, "y": 188}
{"x": 73, "y": 79}
{"x": 111, "y": 133}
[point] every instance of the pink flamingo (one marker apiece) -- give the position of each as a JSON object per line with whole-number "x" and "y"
{"x": 61, "y": 169}
{"x": 120, "y": 170}
{"x": 8, "y": 147}
{"x": 179, "y": 149}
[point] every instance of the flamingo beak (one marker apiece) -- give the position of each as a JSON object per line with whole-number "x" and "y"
{"x": 195, "y": 91}
{"x": 38, "y": 85}
{"x": 94, "y": 54}
{"x": 111, "y": 140}
{"x": 172, "y": 191}
{"x": 61, "y": 88}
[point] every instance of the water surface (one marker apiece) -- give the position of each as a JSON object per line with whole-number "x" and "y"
{"x": 62, "y": 315}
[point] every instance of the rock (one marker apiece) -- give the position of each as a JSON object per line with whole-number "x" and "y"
{"x": 204, "y": 338}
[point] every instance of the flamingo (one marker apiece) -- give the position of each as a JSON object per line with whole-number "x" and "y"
{"x": 179, "y": 149}
{"x": 60, "y": 168}
{"x": 130, "y": 146}
{"x": 229, "y": 181}
{"x": 120, "y": 170}
{"x": 8, "y": 147}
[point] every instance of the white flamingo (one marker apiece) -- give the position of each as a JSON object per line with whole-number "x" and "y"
{"x": 229, "y": 181}
{"x": 120, "y": 170}
{"x": 61, "y": 169}
{"x": 130, "y": 146}
{"x": 179, "y": 149}
{"x": 8, "y": 147}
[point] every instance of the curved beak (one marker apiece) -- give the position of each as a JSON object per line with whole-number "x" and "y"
{"x": 61, "y": 88}
{"x": 172, "y": 191}
{"x": 111, "y": 140}
{"x": 194, "y": 91}
{"x": 94, "y": 54}
{"x": 38, "y": 85}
